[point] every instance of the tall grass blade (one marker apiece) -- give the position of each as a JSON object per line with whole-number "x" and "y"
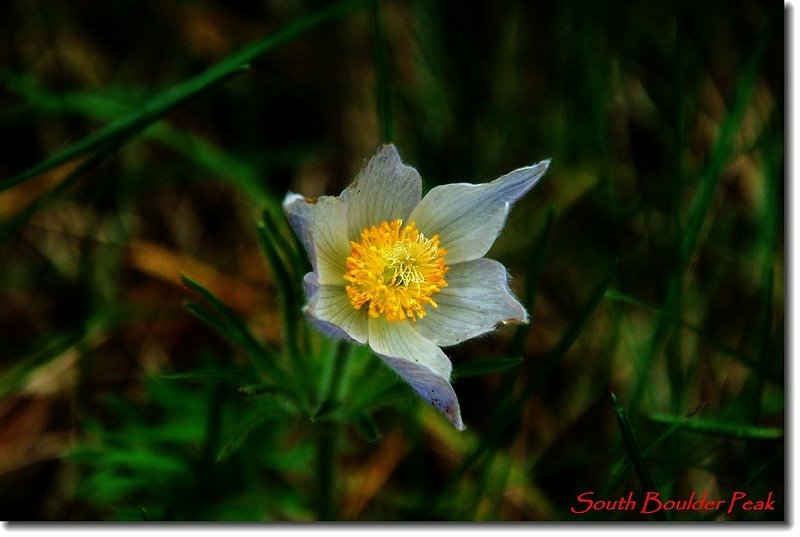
{"x": 751, "y": 363}
{"x": 13, "y": 377}
{"x": 620, "y": 469}
{"x": 216, "y": 373}
{"x": 482, "y": 367}
{"x": 698, "y": 212}
{"x": 509, "y": 411}
{"x": 106, "y": 107}
{"x": 129, "y": 125}
{"x": 290, "y": 300}
{"x": 331, "y": 385}
{"x": 231, "y": 327}
{"x": 719, "y": 428}
{"x": 573, "y": 332}
{"x": 7, "y": 229}
{"x": 634, "y": 451}
{"x": 244, "y": 428}
{"x": 723, "y": 147}
{"x": 367, "y": 428}
{"x": 533, "y": 275}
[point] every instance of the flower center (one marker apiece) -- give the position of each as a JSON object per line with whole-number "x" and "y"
{"x": 395, "y": 270}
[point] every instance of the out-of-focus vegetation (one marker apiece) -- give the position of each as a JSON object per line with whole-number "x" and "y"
{"x": 147, "y": 140}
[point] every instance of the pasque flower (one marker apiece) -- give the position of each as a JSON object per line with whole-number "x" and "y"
{"x": 406, "y": 274}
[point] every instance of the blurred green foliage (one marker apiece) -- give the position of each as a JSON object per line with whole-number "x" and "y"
{"x": 154, "y": 363}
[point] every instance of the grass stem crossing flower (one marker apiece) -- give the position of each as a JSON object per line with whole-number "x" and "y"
{"x": 406, "y": 275}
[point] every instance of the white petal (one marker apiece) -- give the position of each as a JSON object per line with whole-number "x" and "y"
{"x": 329, "y": 309}
{"x": 385, "y": 189}
{"x": 476, "y": 300}
{"x": 322, "y": 226}
{"x": 469, "y": 217}
{"x": 419, "y": 362}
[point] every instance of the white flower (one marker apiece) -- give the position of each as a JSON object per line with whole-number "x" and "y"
{"x": 405, "y": 274}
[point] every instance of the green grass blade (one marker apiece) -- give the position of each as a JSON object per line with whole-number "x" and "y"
{"x": 12, "y": 378}
{"x": 126, "y": 127}
{"x": 274, "y": 224}
{"x": 723, "y": 147}
{"x": 718, "y": 428}
{"x": 510, "y": 409}
{"x": 244, "y": 428}
{"x": 532, "y": 277}
{"x": 367, "y": 428}
{"x": 391, "y": 390}
{"x": 129, "y": 125}
{"x": 482, "y": 367}
{"x": 573, "y": 332}
{"x": 207, "y": 155}
{"x": 258, "y": 390}
{"x": 231, "y": 327}
{"x": 764, "y": 344}
{"x": 104, "y": 107}
{"x": 231, "y": 319}
{"x": 618, "y": 296}
{"x": 330, "y": 395}
{"x": 687, "y": 242}
{"x": 619, "y": 470}
{"x": 7, "y": 229}
{"x": 634, "y": 451}
{"x": 758, "y": 473}
{"x": 223, "y": 328}
{"x": 289, "y": 297}
{"x": 284, "y": 283}
{"x": 328, "y": 435}
{"x": 217, "y": 373}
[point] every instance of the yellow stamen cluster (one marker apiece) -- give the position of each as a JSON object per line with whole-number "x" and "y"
{"x": 395, "y": 270}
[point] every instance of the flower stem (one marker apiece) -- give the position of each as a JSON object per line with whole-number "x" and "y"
{"x": 326, "y": 454}
{"x": 327, "y": 435}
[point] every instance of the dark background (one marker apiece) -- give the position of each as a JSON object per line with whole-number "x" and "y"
{"x": 651, "y": 256}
